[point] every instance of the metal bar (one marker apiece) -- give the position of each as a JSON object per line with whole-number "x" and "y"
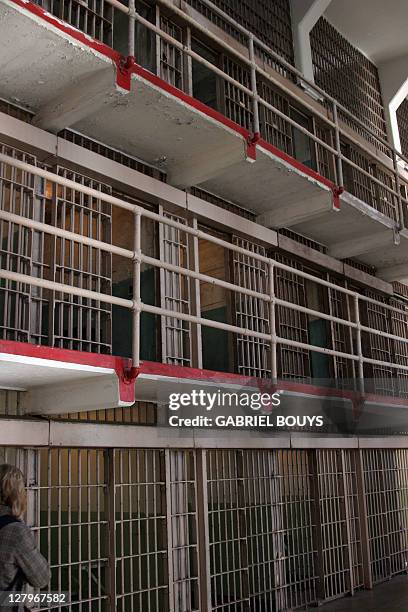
{"x": 359, "y": 345}
{"x": 275, "y": 55}
{"x": 110, "y": 505}
{"x": 169, "y": 529}
{"x": 368, "y": 175}
{"x": 347, "y": 520}
{"x": 53, "y": 286}
{"x": 25, "y": 279}
{"x": 272, "y": 323}
{"x": 398, "y": 185}
{"x": 339, "y": 165}
{"x": 317, "y": 524}
{"x": 255, "y": 112}
{"x": 131, "y": 26}
{"x": 136, "y": 291}
{"x": 362, "y": 505}
{"x": 172, "y": 223}
{"x": 67, "y": 235}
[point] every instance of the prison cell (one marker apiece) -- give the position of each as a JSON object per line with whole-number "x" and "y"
{"x": 305, "y": 324}
{"x": 380, "y": 346}
{"x": 175, "y": 294}
{"x": 341, "y": 337}
{"x": 17, "y": 196}
{"x": 215, "y": 304}
{"x": 120, "y": 527}
{"x": 237, "y": 103}
{"x": 345, "y": 73}
{"x": 140, "y": 519}
{"x": 253, "y": 355}
{"x": 181, "y": 483}
{"x": 274, "y": 128}
{"x": 385, "y": 476}
{"x": 260, "y": 526}
{"x": 339, "y": 522}
{"x": 94, "y": 17}
{"x": 325, "y": 162}
{"x": 79, "y": 323}
{"x": 399, "y": 326}
{"x": 269, "y": 20}
{"x": 293, "y": 362}
{"x": 171, "y": 58}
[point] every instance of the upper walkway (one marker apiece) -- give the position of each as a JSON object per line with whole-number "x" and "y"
{"x": 261, "y": 141}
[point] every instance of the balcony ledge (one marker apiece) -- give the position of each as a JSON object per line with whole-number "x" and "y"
{"x": 60, "y": 381}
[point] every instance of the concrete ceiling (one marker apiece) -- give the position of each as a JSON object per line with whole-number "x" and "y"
{"x": 377, "y": 27}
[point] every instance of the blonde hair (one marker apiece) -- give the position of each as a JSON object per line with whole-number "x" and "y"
{"x": 12, "y": 489}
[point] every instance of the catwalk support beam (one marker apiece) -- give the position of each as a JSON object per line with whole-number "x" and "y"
{"x": 304, "y": 16}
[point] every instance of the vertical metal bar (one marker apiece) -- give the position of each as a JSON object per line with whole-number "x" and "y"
{"x": 131, "y": 33}
{"x": 272, "y": 323}
{"x": 317, "y": 525}
{"x": 136, "y": 291}
{"x": 346, "y": 493}
{"x": 111, "y": 527}
{"x": 339, "y": 162}
{"x": 359, "y": 345}
{"x": 188, "y": 76}
{"x": 398, "y": 189}
{"x": 365, "y": 536}
{"x": 167, "y": 458}
{"x": 255, "y": 104}
{"x": 194, "y": 257}
{"x": 203, "y": 532}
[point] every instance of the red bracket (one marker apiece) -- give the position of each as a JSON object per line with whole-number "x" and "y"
{"x": 123, "y": 71}
{"x": 337, "y": 191}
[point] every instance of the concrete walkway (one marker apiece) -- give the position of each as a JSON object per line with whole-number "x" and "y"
{"x": 392, "y": 596}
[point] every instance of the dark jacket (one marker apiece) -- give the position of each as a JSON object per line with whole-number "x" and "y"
{"x": 19, "y": 555}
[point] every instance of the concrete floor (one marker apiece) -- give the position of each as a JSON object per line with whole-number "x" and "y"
{"x": 391, "y": 596}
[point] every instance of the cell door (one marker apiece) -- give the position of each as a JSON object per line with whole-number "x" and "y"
{"x": 79, "y": 323}
{"x": 293, "y": 362}
{"x": 21, "y": 251}
{"x": 175, "y": 294}
{"x": 253, "y": 354}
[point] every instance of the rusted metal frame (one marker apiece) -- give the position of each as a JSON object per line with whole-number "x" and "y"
{"x": 362, "y": 505}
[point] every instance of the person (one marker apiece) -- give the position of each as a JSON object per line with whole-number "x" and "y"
{"x": 20, "y": 560}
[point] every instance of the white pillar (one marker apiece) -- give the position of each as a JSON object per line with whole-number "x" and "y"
{"x": 305, "y": 14}
{"x": 394, "y": 87}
